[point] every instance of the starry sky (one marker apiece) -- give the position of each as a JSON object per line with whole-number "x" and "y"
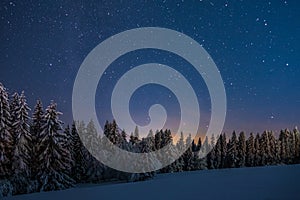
{"x": 255, "y": 45}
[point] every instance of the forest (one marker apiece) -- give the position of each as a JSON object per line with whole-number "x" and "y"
{"x": 38, "y": 152}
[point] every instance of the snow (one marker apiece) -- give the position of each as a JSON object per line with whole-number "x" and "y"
{"x": 272, "y": 182}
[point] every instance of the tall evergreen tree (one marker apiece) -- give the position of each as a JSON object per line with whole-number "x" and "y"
{"x": 264, "y": 148}
{"x": 23, "y": 147}
{"x": 250, "y": 151}
{"x": 257, "y": 154}
{"x": 272, "y": 142}
{"x": 54, "y": 158}
{"x": 188, "y": 154}
{"x": 205, "y": 148}
{"x": 199, "y": 144}
{"x": 283, "y": 139}
{"x": 36, "y": 129}
{"x": 180, "y": 143}
{"x": 297, "y": 145}
{"x": 232, "y": 153}
{"x": 241, "y": 150}
{"x": 78, "y": 157}
{"x": 6, "y": 138}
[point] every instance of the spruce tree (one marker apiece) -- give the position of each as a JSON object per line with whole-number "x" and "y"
{"x": 6, "y": 138}
{"x": 231, "y": 156}
{"x": 78, "y": 157}
{"x": 257, "y": 154}
{"x": 224, "y": 150}
{"x": 297, "y": 145}
{"x": 54, "y": 159}
{"x": 36, "y": 129}
{"x": 21, "y": 162}
{"x": 264, "y": 148}
{"x": 241, "y": 150}
{"x": 250, "y": 151}
{"x": 199, "y": 144}
{"x": 283, "y": 139}
{"x": 272, "y": 142}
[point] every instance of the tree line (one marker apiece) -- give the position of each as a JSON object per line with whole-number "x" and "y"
{"x": 38, "y": 154}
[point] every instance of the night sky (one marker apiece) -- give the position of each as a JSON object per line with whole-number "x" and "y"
{"x": 255, "y": 45}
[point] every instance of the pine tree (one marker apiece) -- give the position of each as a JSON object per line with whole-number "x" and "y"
{"x": 297, "y": 145}
{"x": 187, "y": 156}
{"x": 199, "y": 144}
{"x": 212, "y": 142}
{"x": 231, "y": 157}
{"x": 14, "y": 106}
{"x": 241, "y": 150}
{"x": 6, "y": 138}
{"x": 283, "y": 146}
{"x": 291, "y": 147}
{"x": 205, "y": 148}
{"x": 250, "y": 151}
{"x": 224, "y": 150}
{"x": 180, "y": 143}
{"x": 272, "y": 142}
{"x": 257, "y": 154}
{"x": 151, "y": 140}
{"x": 158, "y": 139}
{"x": 54, "y": 159}
{"x": 36, "y": 129}
{"x": 264, "y": 148}
{"x": 92, "y": 138}
{"x": 23, "y": 147}
{"x": 78, "y": 157}
{"x": 136, "y": 133}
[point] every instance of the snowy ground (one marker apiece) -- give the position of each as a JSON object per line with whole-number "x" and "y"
{"x": 278, "y": 182}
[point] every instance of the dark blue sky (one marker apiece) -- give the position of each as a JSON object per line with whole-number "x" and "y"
{"x": 255, "y": 45}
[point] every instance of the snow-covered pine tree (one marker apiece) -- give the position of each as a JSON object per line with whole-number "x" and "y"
{"x": 241, "y": 150}
{"x": 158, "y": 139}
{"x": 297, "y": 145}
{"x": 205, "y": 148}
{"x": 199, "y": 144}
{"x": 14, "y": 106}
{"x": 212, "y": 143}
{"x": 6, "y": 139}
{"x": 151, "y": 140}
{"x": 95, "y": 168}
{"x": 272, "y": 141}
{"x": 136, "y": 133}
{"x": 92, "y": 137}
{"x": 217, "y": 162}
{"x": 78, "y": 160}
{"x": 54, "y": 159}
{"x": 187, "y": 156}
{"x": 194, "y": 146}
{"x": 291, "y": 147}
{"x": 36, "y": 129}
{"x": 21, "y": 162}
{"x": 180, "y": 149}
{"x": 171, "y": 152}
{"x": 180, "y": 143}
{"x": 124, "y": 143}
{"x": 146, "y": 146}
{"x": 231, "y": 156}
{"x": 277, "y": 156}
{"x": 264, "y": 148}
{"x": 283, "y": 139}
{"x": 257, "y": 154}
{"x": 250, "y": 150}
{"x": 223, "y": 150}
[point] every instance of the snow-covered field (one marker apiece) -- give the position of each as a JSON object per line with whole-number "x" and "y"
{"x": 276, "y": 182}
